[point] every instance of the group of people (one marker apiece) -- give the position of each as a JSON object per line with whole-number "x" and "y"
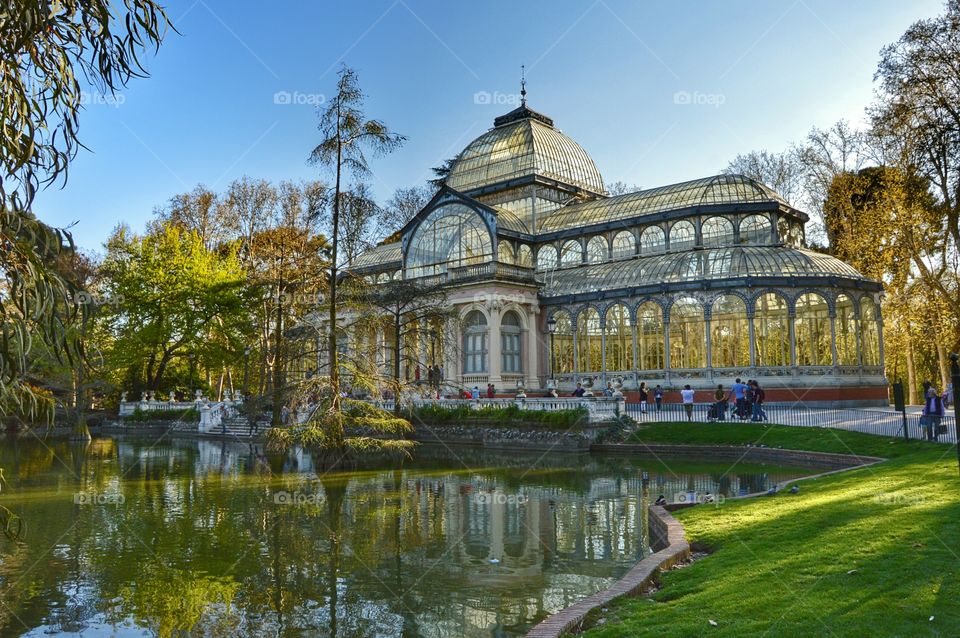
{"x": 746, "y": 401}
{"x": 434, "y": 376}
{"x": 490, "y": 392}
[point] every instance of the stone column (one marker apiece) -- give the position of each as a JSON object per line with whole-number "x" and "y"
{"x": 751, "y": 330}
{"x": 493, "y": 345}
{"x": 792, "y": 329}
{"x": 603, "y": 353}
{"x": 636, "y": 361}
{"x": 666, "y": 349}
{"x": 833, "y": 342}
{"x": 532, "y": 342}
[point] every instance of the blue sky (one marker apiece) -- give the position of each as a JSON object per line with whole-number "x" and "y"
{"x": 657, "y": 92}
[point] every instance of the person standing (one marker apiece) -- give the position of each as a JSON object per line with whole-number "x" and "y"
{"x": 491, "y": 391}
{"x": 643, "y": 397}
{"x": 719, "y": 403}
{"x": 579, "y": 392}
{"x": 759, "y": 396}
{"x": 738, "y": 396}
{"x": 475, "y": 393}
{"x": 933, "y": 411}
{"x": 658, "y": 396}
{"x": 686, "y": 396}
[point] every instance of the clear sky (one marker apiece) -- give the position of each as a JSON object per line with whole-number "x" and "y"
{"x": 657, "y": 92}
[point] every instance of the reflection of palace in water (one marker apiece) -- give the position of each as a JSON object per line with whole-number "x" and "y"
{"x": 429, "y": 549}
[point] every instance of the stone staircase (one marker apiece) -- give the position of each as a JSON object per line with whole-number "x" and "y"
{"x": 238, "y": 427}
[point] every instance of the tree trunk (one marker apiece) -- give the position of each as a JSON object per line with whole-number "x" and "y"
{"x": 278, "y": 357}
{"x": 911, "y": 369}
{"x": 334, "y": 361}
{"x": 396, "y": 365}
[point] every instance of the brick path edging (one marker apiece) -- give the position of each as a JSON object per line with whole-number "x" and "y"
{"x": 665, "y": 531}
{"x": 741, "y": 453}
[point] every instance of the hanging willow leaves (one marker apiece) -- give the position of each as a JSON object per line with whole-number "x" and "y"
{"x": 46, "y": 46}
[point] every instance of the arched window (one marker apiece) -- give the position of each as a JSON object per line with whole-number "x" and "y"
{"x": 652, "y": 241}
{"x": 729, "y": 333}
{"x": 624, "y": 245}
{"x": 510, "y": 328}
{"x": 869, "y": 332}
{"x": 755, "y": 229}
{"x": 812, "y": 330}
{"x": 596, "y": 250}
{"x": 845, "y": 324}
{"x": 474, "y": 343}
{"x": 524, "y": 256}
{"x": 688, "y": 340}
{"x": 589, "y": 355}
{"x": 562, "y": 344}
{"x": 771, "y": 330}
{"x": 683, "y": 235}
{"x": 649, "y": 336}
{"x": 453, "y": 235}
{"x": 619, "y": 339}
{"x": 717, "y": 232}
{"x": 504, "y": 252}
{"x": 546, "y": 258}
{"x": 571, "y": 254}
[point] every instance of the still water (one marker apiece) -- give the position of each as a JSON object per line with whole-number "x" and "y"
{"x": 128, "y": 537}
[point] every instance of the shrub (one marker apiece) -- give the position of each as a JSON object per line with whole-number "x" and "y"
{"x": 510, "y": 415}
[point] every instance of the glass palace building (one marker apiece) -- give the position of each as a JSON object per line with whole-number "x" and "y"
{"x": 693, "y": 283}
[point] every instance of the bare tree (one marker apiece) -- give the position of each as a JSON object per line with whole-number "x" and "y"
{"x": 403, "y": 205}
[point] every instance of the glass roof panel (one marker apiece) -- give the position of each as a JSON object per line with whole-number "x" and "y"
{"x": 719, "y": 189}
{"x": 710, "y": 264}
{"x": 379, "y": 256}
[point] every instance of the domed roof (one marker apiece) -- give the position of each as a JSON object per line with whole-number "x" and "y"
{"x": 523, "y": 142}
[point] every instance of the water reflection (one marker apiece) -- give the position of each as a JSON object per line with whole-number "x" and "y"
{"x": 129, "y": 537}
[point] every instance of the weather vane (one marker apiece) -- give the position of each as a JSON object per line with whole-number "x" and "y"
{"x": 523, "y": 85}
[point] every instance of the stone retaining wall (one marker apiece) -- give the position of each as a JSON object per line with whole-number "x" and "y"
{"x": 665, "y": 532}
{"x": 739, "y": 453}
{"x": 504, "y": 438}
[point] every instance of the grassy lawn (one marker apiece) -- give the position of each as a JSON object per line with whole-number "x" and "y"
{"x": 870, "y": 552}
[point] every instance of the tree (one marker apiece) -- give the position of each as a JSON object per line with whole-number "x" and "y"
{"x": 780, "y": 171}
{"x": 621, "y": 188}
{"x": 440, "y": 173}
{"x": 175, "y": 299}
{"x": 196, "y": 210}
{"x": 402, "y": 206}
{"x": 45, "y": 46}
{"x": 358, "y": 222}
{"x": 400, "y": 308}
{"x": 346, "y": 137}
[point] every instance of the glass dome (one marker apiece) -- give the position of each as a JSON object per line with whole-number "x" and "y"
{"x": 524, "y": 143}
{"x": 700, "y": 265}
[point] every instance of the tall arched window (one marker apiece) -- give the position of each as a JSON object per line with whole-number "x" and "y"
{"x": 812, "y": 330}
{"x": 682, "y": 235}
{"x": 717, "y": 232}
{"x": 649, "y": 336}
{"x": 688, "y": 341}
{"x": 563, "y": 344}
{"x": 504, "y": 252}
{"x": 624, "y": 245}
{"x": 571, "y": 254}
{"x": 450, "y": 236}
{"x": 869, "y": 332}
{"x": 474, "y": 343}
{"x": 729, "y": 333}
{"x": 546, "y": 258}
{"x": 755, "y": 229}
{"x": 510, "y": 346}
{"x": 652, "y": 241}
{"x": 619, "y": 339}
{"x": 524, "y": 256}
{"x": 596, "y": 250}
{"x": 589, "y": 355}
{"x": 771, "y": 329}
{"x": 845, "y": 324}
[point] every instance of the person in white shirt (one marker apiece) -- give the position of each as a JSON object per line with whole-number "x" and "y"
{"x": 687, "y": 396}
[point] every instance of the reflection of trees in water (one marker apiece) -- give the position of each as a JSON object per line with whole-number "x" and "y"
{"x": 379, "y": 548}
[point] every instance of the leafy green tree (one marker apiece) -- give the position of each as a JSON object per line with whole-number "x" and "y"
{"x": 173, "y": 296}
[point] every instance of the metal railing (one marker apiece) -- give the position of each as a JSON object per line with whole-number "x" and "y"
{"x": 878, "y": 421}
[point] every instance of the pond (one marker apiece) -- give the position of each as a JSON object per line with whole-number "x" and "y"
{"x": 128, "y": 537}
